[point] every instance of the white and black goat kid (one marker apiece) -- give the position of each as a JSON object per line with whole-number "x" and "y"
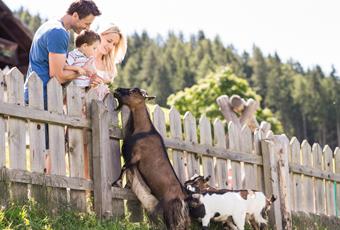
{"x": 231, "y": 207}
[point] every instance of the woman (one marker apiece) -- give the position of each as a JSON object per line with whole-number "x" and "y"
{"x": 110, "y": 52}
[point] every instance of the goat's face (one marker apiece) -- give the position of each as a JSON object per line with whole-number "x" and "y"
{"x": 131, "y": 97}
{"x": 197, "y": 184}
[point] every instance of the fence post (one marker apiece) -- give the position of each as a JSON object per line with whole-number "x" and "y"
{"x": 4, "y": 188}
{"x": 271, "y": 183}
{"x": 16, "y": 132}
{"x": 284, "y": 182}
{"x": 100, "y": 149}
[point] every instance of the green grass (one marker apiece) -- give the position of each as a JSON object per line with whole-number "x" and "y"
{"x": 32, "y": 216}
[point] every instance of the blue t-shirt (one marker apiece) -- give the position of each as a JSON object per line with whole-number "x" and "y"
{"x": 51, "y": 37}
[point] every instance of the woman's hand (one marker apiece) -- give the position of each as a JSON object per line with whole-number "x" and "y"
{"x": 95, "y": 80}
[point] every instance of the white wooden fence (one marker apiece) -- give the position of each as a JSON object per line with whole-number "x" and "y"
{"x": 89, "y": 161}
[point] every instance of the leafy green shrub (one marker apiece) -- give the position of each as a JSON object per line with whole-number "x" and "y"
{"x": 201, "y": 98}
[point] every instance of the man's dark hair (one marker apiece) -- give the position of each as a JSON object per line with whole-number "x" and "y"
{"x": 84, "y": 8}
{"x": 88, "y": 37}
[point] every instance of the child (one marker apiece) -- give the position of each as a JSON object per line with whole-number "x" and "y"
{"x": 86, "y": 43}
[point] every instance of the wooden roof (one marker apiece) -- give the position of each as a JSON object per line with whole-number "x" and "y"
{"x": 14, "y": 31}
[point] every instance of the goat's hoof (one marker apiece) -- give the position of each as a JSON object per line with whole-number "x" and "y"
{"x": 117, "y": 184}
{"x": 127, "y": 186}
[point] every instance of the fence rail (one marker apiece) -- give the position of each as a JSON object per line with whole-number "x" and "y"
{"x": 84, "y": 147}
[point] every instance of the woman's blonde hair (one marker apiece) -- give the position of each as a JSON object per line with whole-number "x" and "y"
{"x": 118, "y": 52}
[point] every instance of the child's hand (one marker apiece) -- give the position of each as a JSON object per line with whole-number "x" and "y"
{"x": 89, "y": 67}
{"x": 81, "y": 71}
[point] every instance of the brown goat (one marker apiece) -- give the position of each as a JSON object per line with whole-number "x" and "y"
{"x": 143, "y": 148}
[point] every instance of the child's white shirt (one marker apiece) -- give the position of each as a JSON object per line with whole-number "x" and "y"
{"x": 77, "y": 58}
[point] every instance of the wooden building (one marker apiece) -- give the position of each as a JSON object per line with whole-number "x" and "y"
{"x": 15, "y": 40}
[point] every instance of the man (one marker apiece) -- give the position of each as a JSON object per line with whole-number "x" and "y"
{"x": 49, "y": 47}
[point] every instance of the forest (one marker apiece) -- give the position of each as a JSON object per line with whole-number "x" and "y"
{"x": 178, "y": 69}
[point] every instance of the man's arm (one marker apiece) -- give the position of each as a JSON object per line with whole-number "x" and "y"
{"x": 77, "y": 69}
{"x": 57, "y": 63}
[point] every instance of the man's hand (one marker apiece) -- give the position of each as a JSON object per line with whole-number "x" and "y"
{"x": 56, "y": 67}
{"x": 81, "y": 71}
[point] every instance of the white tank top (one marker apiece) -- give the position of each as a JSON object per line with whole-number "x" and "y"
{"x": 104, "y": 74}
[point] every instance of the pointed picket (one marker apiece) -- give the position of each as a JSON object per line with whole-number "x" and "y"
{"x": 297, "y": 181}
{"x": 249, "y": 175}
{"x": 179, "y": 158}
{"x": 16, "y": 131}
{"x": 319, "y": 183}
{"x": 15, "y": 89}
{"x": 221, "y": 164}
{"x": 2, "y": 124}
{"x": 125, "y": 116}
{"x": 233, "y": 134}
{"x": 309, "y": 199}
{"x": 36, "y": 132}
{"x": 36, "y": 129}
{"x": 76, "y": 144}
{"x": 337, "y": 171}
{"x": 190, "y": 134}
{"x": 56, "y": 137}
{"x": 329, "y": 186}
{"x": 56, "y": 132}
{"x": 206, "y": 139}
{"x": 259, "y": 169}
{"x": 113, "y": 160}
{"x": 90, "y": 95}
{"x": 159, "y": 120}
{"x": 4, "y": 189}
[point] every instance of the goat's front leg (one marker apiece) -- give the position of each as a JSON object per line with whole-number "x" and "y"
{"x": 240, "y": 221}
{"x": 118, "y": 181}
{"x": 205, "y": 221}
{"x": 254, "y": 224}
{"x": 229, "y": 226}
{"x": 134, "y": 160}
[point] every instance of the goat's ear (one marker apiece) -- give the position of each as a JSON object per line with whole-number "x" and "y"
{"x": 150, "y": 97}
{"x": 207, "y": 178}
{"x": 273, "y": 198}
{"x": 145, "y": 95}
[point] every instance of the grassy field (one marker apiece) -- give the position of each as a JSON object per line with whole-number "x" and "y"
{"x": 32, "y": 216}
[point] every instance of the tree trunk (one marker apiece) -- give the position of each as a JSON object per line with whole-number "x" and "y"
{"x": 324, "y": 129}
{"x": 304, "y": 123}
{"x": 338, "y": 130}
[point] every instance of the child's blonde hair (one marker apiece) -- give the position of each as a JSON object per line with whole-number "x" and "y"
{"x": 118, "y": 52}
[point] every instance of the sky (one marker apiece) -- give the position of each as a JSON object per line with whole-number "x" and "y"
{"x": 303, "y": 30}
